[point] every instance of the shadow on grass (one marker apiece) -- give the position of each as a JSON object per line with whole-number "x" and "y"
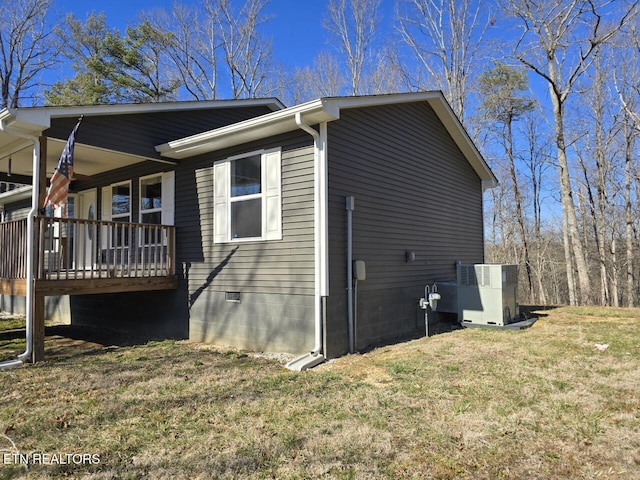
{"x": 65, "y": 341}
{"x": 531, "y": 311}
{"x": 99, "y": 336}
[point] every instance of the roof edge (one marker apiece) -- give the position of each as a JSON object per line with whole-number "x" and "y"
{"x": 313, "y": 112}
{"x": 325, "y": 110}
{"x": 36, "y": 114}
{"x": 463, "y": 140}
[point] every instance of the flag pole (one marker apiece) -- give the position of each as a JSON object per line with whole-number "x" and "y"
{"x": 59, "y": 183}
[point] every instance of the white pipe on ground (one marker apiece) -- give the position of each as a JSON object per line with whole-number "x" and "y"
{"x": 35, "y": 193}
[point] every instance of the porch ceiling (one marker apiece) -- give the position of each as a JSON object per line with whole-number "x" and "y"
{"x": 88, "y": 160}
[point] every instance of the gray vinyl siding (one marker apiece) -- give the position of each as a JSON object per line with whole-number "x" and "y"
{"x": 275, "y": 278}
{"x": 414, "y": 191}
{"x": 139, "y": 133}
{"x": 284, "y": 266}
{"x": 17, "y": 210}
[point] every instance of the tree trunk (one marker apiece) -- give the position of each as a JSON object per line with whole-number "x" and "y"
{"x": 573, "y": 245}
{"x": 571, "y": 284}
{"x": 629, "y": 219}
{"x": 519, "y": 215}
{"x": 615, "y": 299}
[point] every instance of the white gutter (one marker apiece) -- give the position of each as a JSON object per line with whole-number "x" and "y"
{"x": 320, "y": 181}
{"x": 274, "y": 123}
{"x": 26, "y": 355}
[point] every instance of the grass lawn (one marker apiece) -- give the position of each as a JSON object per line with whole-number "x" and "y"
{"x": 542, "y": 403}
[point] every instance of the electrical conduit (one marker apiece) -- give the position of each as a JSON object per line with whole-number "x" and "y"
{"x": 350, "y": 206}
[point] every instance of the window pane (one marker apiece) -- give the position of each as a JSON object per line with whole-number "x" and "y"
{"x": 246, "y": 219}
{"x": 70, "y": 207}
{"x": 245, "y": 176}
{"x": 151, "y": 193}
{"x": 120, "y": 200}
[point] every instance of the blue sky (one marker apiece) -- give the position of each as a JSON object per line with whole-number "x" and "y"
{"x": 295, "y": 26}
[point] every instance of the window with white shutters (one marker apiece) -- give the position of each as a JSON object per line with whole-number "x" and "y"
{"x": 247, "y": 197}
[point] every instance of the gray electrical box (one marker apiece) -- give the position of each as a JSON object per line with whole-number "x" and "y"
{"x": 487, "y": 294}
{"x": 359, "y": 270}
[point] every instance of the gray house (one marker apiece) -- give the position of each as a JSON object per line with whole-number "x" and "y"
{"x": 305, "y": 229}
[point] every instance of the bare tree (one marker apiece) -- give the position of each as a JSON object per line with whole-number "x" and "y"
{"x": 353, "y": 25}
{"x": 26, "y": 48}
{"x": 627, "y": 85}
{"x": 193, "y": 46}
{"x": 323, "y": 79}
{"x": 216, "y": 48}
{"x": 596, "y": 129}
{"x": 386, "y": 77}
{"x": 446, "y": 39}
{"x": 247, "y": 55}
{"x": 558, "y": 43}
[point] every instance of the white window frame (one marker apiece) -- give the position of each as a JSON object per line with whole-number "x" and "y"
{"x": 167, "y": 203}
{"x": 270, "y": 194}
{"x": 119, "y": 217}
{"x": 142, "y": 211}
{"x": 107, "y": 212}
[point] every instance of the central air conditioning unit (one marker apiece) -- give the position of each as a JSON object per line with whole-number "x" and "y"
{"x": 487, "y": 294}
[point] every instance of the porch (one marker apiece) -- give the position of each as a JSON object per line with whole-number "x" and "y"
{"x": 76, "y": 256}
{"x": 79, "y": 257}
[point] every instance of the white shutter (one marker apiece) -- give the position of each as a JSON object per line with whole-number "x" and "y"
{"x": 168, "y": 197}
{"x": 106, "y": 214}
{"x": 272, "y": 213}
{"x": 221, "y": 202}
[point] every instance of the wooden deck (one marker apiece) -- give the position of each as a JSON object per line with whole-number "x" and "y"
{"x": 78, "y": 257}
{"x": 87, "y": 286}
{"x": 82, "y": 257}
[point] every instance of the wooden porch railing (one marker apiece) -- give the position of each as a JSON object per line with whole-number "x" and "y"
{"x": 69, "y": 248}
{"x": 13, "y": 249}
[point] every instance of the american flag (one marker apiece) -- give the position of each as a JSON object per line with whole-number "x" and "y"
{"x": 59, "y": 185}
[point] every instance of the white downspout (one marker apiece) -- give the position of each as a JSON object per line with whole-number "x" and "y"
{"x": 35, "y": 193}
{"x": 320, "y": 241}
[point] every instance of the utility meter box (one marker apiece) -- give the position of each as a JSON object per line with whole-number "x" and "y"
{"x": 487, "y": 294}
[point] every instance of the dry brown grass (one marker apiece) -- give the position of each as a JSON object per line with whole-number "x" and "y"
{"x": 478, "y": 404}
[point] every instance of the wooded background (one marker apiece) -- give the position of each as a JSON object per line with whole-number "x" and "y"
{"x": 549, "y": 90}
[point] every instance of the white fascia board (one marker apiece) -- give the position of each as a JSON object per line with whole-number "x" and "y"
{"x": 28, "y": 124}
{"x": 256, "y": 128}
{"x": 6, "y": 114}
{"x": 464, "y": 142}
{"x": 385, "y": 99}
{"x": 29, "y": 114}
{"x": 128, "y": 108}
